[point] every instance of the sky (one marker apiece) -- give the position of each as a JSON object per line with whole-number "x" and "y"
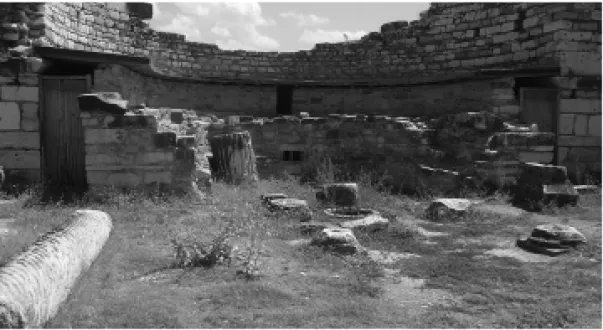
{"x": 283, "y": 27}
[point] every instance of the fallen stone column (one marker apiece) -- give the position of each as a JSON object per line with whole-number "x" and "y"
{"x": 36, "y": 282}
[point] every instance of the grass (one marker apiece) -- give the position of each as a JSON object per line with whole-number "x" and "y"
{"x": 305, "y": 287}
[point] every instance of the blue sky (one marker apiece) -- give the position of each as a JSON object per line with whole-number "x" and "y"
{"x": 270, "y": 26}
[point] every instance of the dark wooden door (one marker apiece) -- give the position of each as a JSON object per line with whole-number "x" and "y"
{"x": 539, "y": 106}
{"x": 62, "y": 133}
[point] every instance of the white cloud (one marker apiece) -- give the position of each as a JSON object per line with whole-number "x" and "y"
{"x": 305, "y": 19}
{"x": 156, "y": 11}
{"x": 237, "y": 23}
{"x": 320, "y": 36}
{"x": 220, "y": 31}
{"x": 183, "y": 24}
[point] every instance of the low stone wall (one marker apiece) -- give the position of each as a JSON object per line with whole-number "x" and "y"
{"x": 127, "y": 150}
{"x": 461, "y": 142}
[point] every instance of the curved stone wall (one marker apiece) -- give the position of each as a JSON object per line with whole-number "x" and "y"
{"x": 450, "y": 39}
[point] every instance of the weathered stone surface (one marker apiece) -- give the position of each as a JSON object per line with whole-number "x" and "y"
{"x": 314, "y": 227}
{"x": 164, "y": 139}
{"x": 372, "y": 222}
{"x": 536, "y": 157}
{"x": 587, "y": 189}
{"x": 566, "y": 235}
{"x": 533, "y": 246}
{"x": 20, "y": 140}
{"x": 156, "y": 157}
{"x": 158, "y": 177}
{"x": 520, "y": 140}
{"x": 55, "y": 263}
{"x": 543, "y": 174}
{"x": 29, "y": 117}
{"x": 594, "y": 125}
{"x": 111, "y": 103}
{"x": 560, "y": 194}
{"x": 268, "y": 197}
{"x": 579, "y": 141}
{"x": 20, "y": 159}
{"x": 177, "y": 116}
{"x": 10, "y": 116}
{"x": 447, "y": 208}
{"x": 116, "y": 179}
{"x": 121, "y": 138}
{"x": 187, "y": 141}
{"x": 339, "y": 240}
{"x": 295, "y": 208}
{"x": 19, "y": 93}
{"x": 580, "y": 106}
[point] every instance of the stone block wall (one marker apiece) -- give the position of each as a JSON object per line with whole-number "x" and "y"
{"x": 128, "y": 151}
{"x": 579, "y": 138}
{"x": 19, "y": 124}
{"x": 474, "y": 141}
{"x": 578, "y": 49}
{"x": 494, "y": 95}
{"x": 451, "y": 40}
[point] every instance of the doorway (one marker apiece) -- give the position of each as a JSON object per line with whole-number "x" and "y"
{"x": 540, "y": 106}
{"x": 284, "y": 100}
{"x": 62, "y": 134}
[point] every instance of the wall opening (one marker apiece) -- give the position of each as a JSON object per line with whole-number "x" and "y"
{"x": 293, "y": 156}
{"x": 284, "y": 100}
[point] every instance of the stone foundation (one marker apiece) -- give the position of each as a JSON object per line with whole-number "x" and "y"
{"x": 127, "y": 150}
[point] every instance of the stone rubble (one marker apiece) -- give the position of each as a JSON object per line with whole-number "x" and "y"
{"x": 552, "y": 240}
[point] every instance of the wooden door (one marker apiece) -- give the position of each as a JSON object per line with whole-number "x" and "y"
{"x": 539, "y": 106}
{"x": 62, "y": 133}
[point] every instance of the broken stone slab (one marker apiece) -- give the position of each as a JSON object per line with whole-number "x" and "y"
{"x": 104, "y": 102}
{"x": 296, "y": 208}
{"x": 164, "y": 139}
{"x": 503, "y": 210}
{"x": 268, "y": 197}
{"x": 341, "y": 194}
{"x": 314, "y": 227}
{"x": 560, "y": 194}
{"x": 373, "y": 222}
{"x": 338, "y": 240}
{"x": 370, "y": 223}
{"x": 585, "y": 189}
{"x": 520, "y": 140}
{"x": 566, "y": 235}
{"x": 528, "y": 245}
{"x": 447, "y": 208}
{"x": 287, "y": 203}
{"x": 539, "y": 195}
{"x": 542, "y": 173}
{"x": 349, "y": 213}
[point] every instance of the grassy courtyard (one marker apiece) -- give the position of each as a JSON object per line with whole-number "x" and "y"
{"x": 461, "y": 274}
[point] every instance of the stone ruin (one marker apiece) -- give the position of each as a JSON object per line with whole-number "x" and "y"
{"x": 457, "y": 89}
